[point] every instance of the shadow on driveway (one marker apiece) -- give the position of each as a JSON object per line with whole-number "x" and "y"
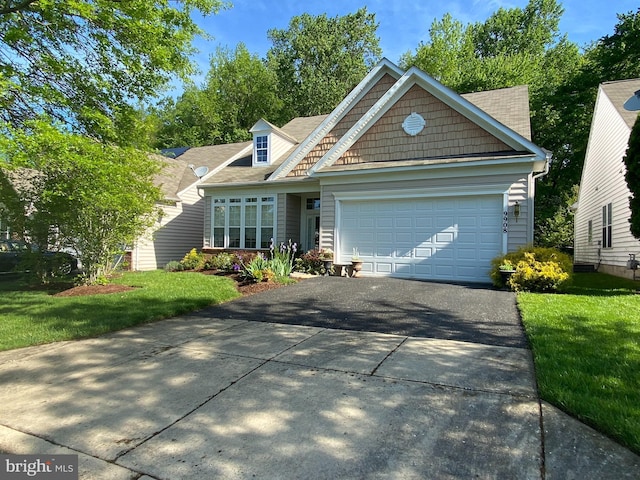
{"x": 467, "y": 313}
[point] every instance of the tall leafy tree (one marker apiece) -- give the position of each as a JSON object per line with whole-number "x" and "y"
{"x": 71, "y": 75}
{"x": 84, "y": 62}
{"x": 85, "y": 195}
{"x": 246, "y": 91}
{"x": 191, "y": 120}
{"x": 318, "y": 59}
{"x": 632, "y": 176}
{"x": 238, "y": 91}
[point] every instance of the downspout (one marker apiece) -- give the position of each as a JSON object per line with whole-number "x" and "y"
{"x": 547, "y": 165}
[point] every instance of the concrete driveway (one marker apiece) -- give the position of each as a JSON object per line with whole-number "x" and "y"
{"x": 329, "y": 378}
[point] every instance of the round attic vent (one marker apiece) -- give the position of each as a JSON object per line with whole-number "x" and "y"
{"x": 413, "y": 124}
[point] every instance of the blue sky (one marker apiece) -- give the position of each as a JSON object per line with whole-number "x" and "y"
{"x": 402, "y": 23}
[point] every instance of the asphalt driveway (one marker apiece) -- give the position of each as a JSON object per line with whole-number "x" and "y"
{"x": 469, "y": 313}
{"x": 329, "y": 378}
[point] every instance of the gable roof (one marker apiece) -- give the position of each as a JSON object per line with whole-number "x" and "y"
{"x": 384, "y": 67}
{"x": 619, "y": 92}
{"x": 413, "y": 77}
{"x": 500, "y": 117}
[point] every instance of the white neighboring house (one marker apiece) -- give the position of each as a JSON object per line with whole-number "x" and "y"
{"x": 602, "y": 235}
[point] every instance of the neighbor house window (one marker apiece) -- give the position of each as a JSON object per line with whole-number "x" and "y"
{"x": 262, "y": 149}
{"x": 607, "y": 214}
{"x": 243, "y": 222}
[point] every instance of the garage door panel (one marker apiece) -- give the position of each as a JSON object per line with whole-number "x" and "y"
{"x": 431, "y": 238}
{"x": 384, "y": 222}
{"x": 424, "y": 222}
{"x": 384, "y": 267}
{"x": 423, "y": 252}
{"x": 404, "y": 222}
{"x": 445, "y": 237}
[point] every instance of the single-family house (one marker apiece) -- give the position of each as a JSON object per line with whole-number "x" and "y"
{"x": 425, "y": 183}
{"x": 602, "y": 235}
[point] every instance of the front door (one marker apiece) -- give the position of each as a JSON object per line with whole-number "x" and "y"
{"x": 313, "y": 232}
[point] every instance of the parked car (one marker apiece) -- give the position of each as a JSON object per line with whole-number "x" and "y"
{"x": 16, "y": 257}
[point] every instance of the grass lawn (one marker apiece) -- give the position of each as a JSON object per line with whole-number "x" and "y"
{"x": 586, "y": 346}
{"x": 32, "y": 317}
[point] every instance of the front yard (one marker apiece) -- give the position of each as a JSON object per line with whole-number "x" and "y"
{"x": 586, "y": 343}
{"x": 32, "y": 317}
{"x": 586, "y": 346}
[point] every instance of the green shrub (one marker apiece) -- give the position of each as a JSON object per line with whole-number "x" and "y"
{"x": 174, "y": 266}
{"x": 221, "y": 261}
{"x": 311, "y": 262}
{"x": 193, "y": 260}
{"x": 541, "y": 255}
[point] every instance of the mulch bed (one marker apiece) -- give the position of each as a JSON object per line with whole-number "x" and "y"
{"x": 245, "y": 288}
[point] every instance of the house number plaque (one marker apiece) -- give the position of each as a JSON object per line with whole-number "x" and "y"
{"x": 505, "y": 221}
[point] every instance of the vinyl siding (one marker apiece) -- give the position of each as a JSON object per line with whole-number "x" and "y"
{"x": 179, "y": 230}
{"x": 603, "y": 183}
{"x": 519, "y": 233}
{"x": 279, "y": 146}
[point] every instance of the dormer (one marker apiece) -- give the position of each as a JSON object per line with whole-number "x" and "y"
{"x": 269, "y": 143}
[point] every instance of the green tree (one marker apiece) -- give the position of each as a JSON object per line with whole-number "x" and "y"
{"x": 617, "y": 56}
{"x": 192, "y": 120}
{"x": 246, "y": 91}
{"x": 319, "y": 60}
{"x": 632, "y": 176}
{"x": 450, "y": 47}
{"x": 85, "y": 195}
{"x": 86, "y": 62}
{"x": 239, "y": 90}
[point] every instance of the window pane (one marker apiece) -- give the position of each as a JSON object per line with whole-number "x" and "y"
{"x": 234, "y": 237}
{"x": 313, "y": 204}
{"x": 218, "y": 216}
{"x": 250, "y": 237}
{"x": 267, "y": 215}
{"x": 266, "y": 234}
{"x": 218, "y": 237}
{"x": 251, "y": 215}
{"x": 234, "y": 215}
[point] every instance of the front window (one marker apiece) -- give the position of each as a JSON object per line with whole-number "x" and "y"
{"x": 607, "y": 225}
{"x": 243, "y": 222}
{"x": 262, "y": 149}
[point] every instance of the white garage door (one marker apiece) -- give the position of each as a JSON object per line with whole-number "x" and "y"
{"x": 448, "y": 238}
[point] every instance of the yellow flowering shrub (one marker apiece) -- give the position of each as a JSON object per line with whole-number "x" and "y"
{"x": 541, "y": 254}
{"x": 193, "y": 260}
{"x": 532, "y": 275}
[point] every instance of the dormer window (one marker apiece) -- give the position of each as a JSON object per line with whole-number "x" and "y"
{"x": 262, "y": 149}
{"x": 269, "y": 143}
